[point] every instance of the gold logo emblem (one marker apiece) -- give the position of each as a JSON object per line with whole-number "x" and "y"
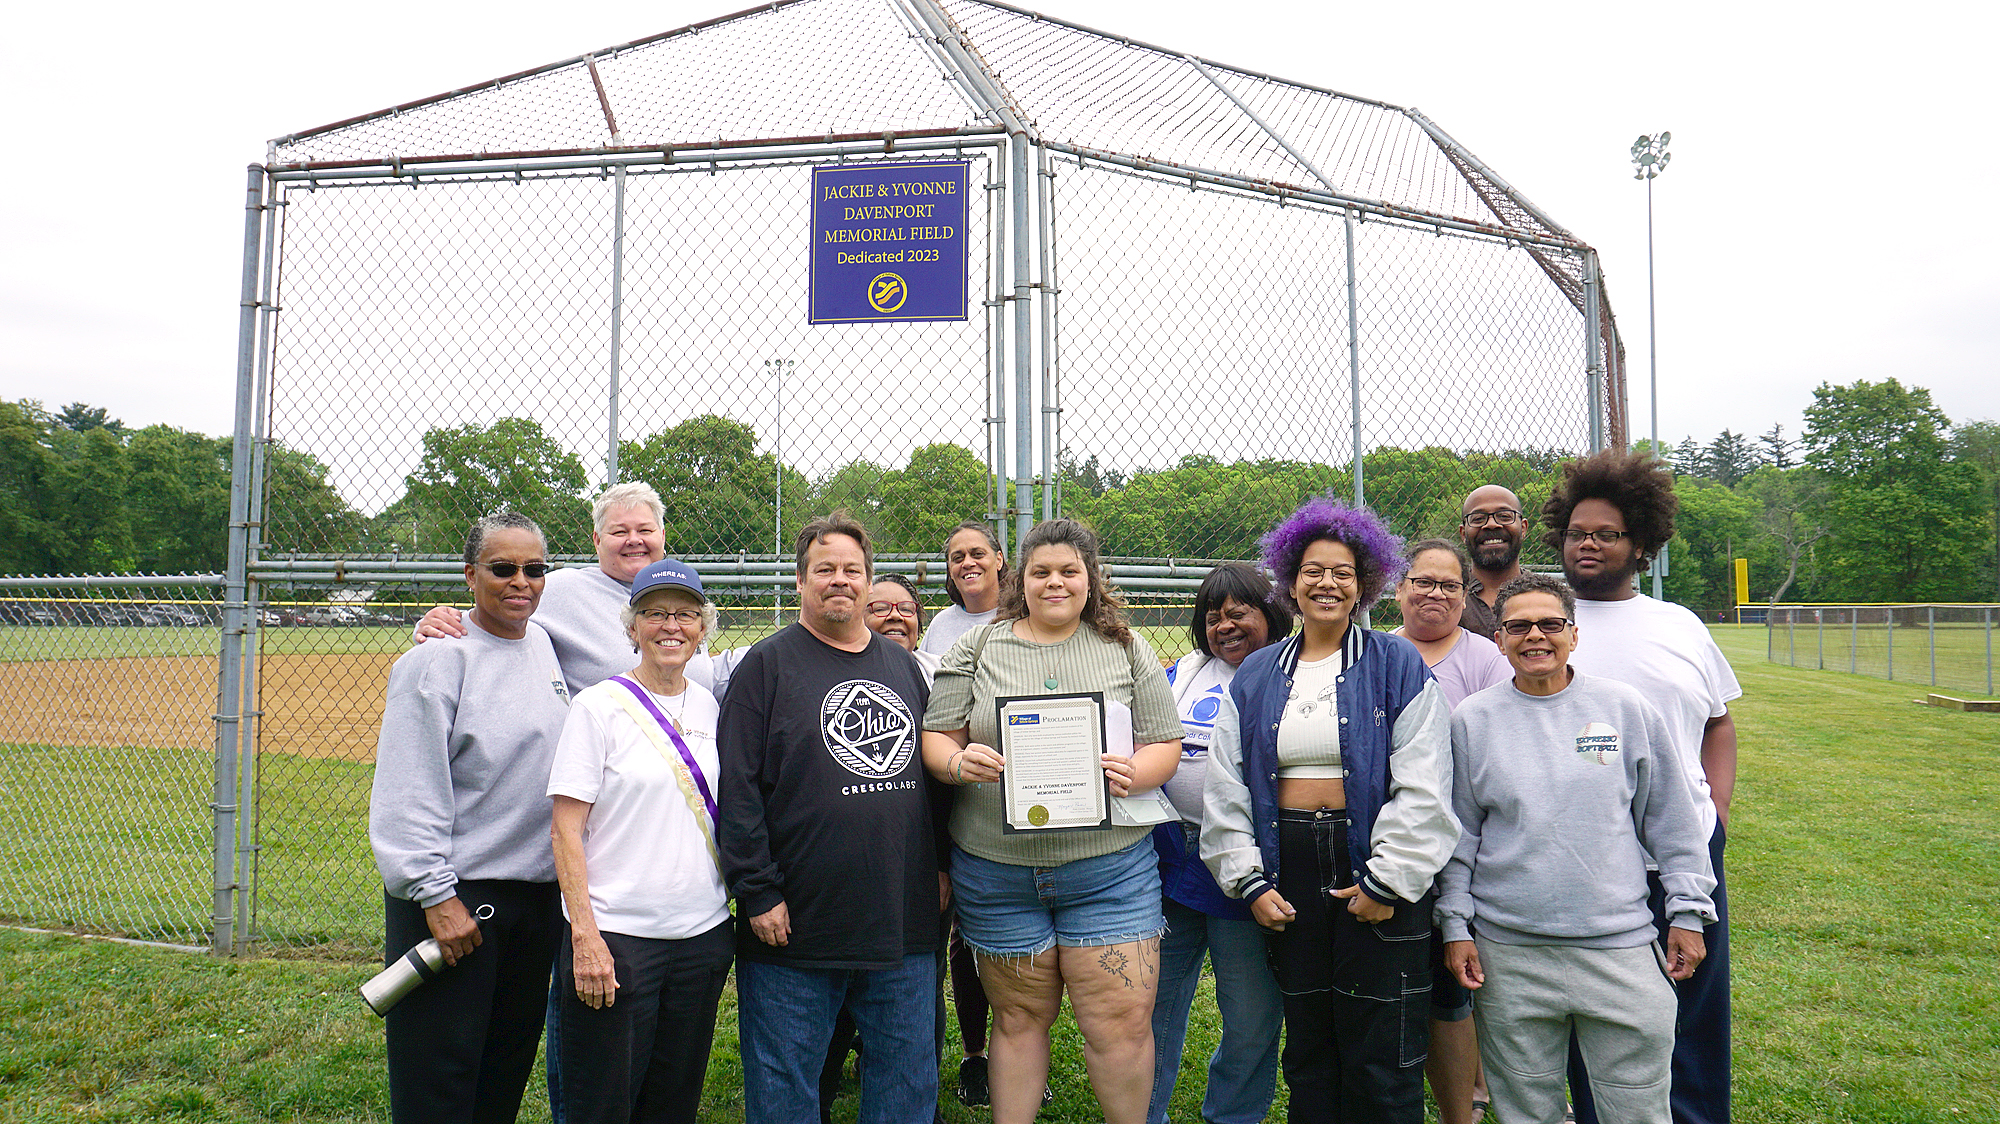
{"x": 886, "y": 292}
{"x": 1038, "y": 815}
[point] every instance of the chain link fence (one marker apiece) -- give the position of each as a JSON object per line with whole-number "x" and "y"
{"x": 1948, "y": 646}
{"x": 107, "y": 754}
{"x": 1196, "y": 296}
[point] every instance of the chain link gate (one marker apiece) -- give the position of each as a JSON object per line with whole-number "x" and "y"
{"x": 1197, "y": 295}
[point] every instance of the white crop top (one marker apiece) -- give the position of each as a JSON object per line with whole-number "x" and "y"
{"x": 1309, "y": 731}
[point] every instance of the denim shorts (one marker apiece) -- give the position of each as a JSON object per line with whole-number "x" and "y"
{"x": 1006, "y": 910}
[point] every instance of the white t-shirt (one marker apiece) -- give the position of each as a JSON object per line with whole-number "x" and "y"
{"x": 951, "y": 623}
{"x": 1666, "y": 652}
{"x": 1199, "y": 684}
{"x": 648, "y": 865}
{"x": 1309, "y": 729}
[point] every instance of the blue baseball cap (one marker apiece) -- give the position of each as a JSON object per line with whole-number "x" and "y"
{"x": 664, "y": 573}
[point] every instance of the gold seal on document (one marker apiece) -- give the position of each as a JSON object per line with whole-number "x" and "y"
{"x": 1038, "y": 815}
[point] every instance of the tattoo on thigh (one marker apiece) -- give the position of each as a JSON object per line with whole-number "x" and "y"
{"x": 1115, "y": 963}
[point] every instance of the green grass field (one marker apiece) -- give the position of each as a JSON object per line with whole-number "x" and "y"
{"x": 1865, "y": 848}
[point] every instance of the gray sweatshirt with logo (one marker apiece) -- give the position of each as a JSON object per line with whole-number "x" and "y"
{"x": 1562, "y": 798}
{"x": 462, "y": 767}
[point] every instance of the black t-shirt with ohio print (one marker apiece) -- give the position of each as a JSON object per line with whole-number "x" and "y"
{"x": 825, "y": 803}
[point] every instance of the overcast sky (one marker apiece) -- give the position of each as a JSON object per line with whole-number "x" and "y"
{"x": 1826, "y": 216}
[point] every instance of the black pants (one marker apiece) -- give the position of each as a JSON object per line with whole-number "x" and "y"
{"x": 1357, "y": 996}
{"x": 461, "y": 1046}
{"x": 645, "y": 1057}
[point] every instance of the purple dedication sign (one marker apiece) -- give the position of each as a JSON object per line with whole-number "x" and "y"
{"x": 888, "y": 242}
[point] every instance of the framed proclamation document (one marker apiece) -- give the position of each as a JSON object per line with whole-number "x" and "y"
{"x": 1054, "y": 778}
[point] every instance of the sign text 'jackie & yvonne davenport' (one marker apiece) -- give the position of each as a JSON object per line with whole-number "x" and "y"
{"x": 888, "y": 242}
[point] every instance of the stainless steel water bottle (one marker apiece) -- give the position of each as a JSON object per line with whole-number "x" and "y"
{"x": 410, "y": 971}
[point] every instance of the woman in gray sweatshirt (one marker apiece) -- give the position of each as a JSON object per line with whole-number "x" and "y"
{"x": 1564, "y": 784}
{"x": 459, "y": 822}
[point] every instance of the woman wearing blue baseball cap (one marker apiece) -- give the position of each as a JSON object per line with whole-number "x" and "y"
{"x": 650, "y": 939}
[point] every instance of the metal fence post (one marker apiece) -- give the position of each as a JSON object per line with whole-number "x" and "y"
{"x": 1889, "y": 628}
{"x": 1853, "y": 640}
{"x": 1930, "y": 618}
{"x": 248, "y": 827}
{"x": 997, "y": 390}
{"x": 1593, "y": 349}
{"x": 1819, "y": 622}
{"x": 227, "y": 887}
{"x": 617, "y": 322}
{"x": 1019, "y": 187}
{"x": 1988, "y": 614}
{"x": 1051, "y": 402}
{"x": 1354, "y": 361}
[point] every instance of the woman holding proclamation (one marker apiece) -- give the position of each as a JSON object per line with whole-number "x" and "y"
{"x": 1049, "y": 912}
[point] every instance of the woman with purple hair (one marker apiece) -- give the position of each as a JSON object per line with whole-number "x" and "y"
{"x": 1327, "y": 809}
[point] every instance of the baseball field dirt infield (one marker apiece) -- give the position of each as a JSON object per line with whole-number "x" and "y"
{"x": 314, "y": 705}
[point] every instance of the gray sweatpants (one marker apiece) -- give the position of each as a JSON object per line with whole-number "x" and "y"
{"x": 1619, "y": 1001}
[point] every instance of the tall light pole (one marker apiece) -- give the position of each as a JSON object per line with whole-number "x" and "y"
{"x": 1650, "y": 157}
{"x": 778, "y": 369}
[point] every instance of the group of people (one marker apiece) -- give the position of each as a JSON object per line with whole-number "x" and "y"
{"x": 1476, "y": 848}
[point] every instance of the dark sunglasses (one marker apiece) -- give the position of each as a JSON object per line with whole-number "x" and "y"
{"x": 536, "y": 571}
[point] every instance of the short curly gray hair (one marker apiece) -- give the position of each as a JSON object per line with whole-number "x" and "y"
{"x": 1532, "y": 582}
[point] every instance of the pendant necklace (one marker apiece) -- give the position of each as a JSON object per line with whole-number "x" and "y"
{"x": 675, "y": 718}
{"x": 1048, "y": 665}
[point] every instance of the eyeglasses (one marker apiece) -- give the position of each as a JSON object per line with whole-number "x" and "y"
{"x": 1313, "y": 575}
{"x": 1602, "y": 538}
{"x": 884, "y": 608}
{"x": 1547, "y": 626}
{"x": 678, "y": 616}
{"x": 1432, "y": 585}
{"x": 536, "y": 571}
{"x": 1502, "y": 518}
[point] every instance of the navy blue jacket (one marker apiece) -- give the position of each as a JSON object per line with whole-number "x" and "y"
{"x": 1395, "y": 749}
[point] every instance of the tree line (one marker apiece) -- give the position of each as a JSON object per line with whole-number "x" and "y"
{"x": 1880, "y": 497}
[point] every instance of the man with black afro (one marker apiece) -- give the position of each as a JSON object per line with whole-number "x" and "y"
{"x": 1609, "y": 516}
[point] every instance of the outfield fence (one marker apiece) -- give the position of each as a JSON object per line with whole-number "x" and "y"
{"x": 1194, "y": 296}
{"x": 1948, "y": 646}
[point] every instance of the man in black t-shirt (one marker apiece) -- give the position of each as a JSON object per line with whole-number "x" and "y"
{"x": 831, "y": 847}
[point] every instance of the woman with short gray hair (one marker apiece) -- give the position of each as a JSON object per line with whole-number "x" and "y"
{"x": 459, "y": 826}
{"x": 649, "y": 940}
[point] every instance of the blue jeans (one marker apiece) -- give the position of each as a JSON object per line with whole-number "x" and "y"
{"x": 1020, "y": 911}
{"x": 1243, "y": 1072}
{"x": 785, "y": 1017}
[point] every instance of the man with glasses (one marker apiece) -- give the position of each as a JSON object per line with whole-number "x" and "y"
{"x": 1493, "y": 529}
{"x": 1564, "y": 783}
{"x": 1609, "y": 516}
